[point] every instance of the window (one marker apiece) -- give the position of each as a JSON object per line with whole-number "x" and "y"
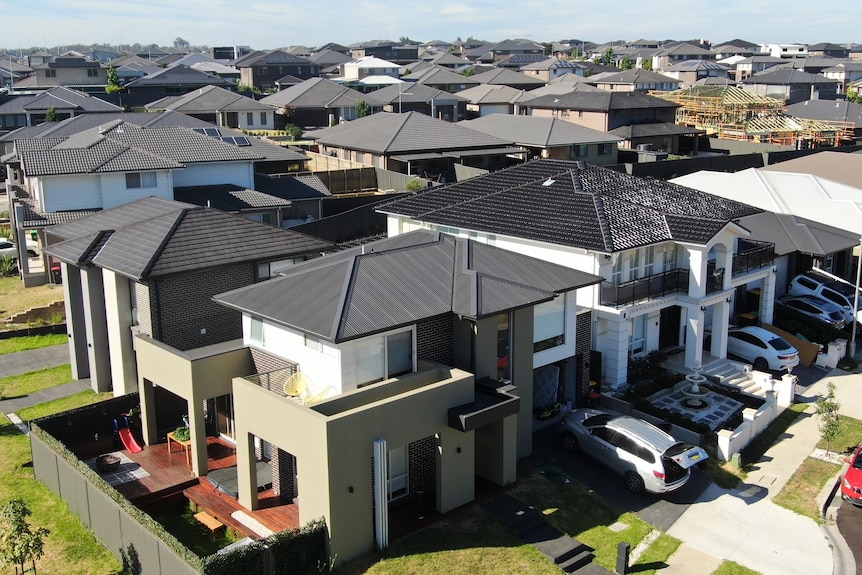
{"x": 549, "y": 324}
{"x": 49, "y": 73}
{"x": 605, "y": 149}
{"x": 669, "y": 259}
{"x": 92, "y": 72}
{"x": 263, "y": 71}
{"x": 649, "y": 261}
{"x": 256, "y": 329}
{"x": 249, "y": 118}
{"x": 580, "y": 150}
{"x": 635, "y": 265}
{"x": 263, "y": 118}
{"x": 141, "y": 180}
{"x": 637, "y": 328}
{"x": 617, "y": 270}
{"x": 384, "y": 356}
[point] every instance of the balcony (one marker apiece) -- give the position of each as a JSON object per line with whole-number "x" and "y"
{"x": 753, "y": 255}
{"x": 650, "y": 287}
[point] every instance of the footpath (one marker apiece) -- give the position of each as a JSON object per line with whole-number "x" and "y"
{"x": 744, "y": 525}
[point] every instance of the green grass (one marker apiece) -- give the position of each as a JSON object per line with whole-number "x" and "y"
{"x": 70, "y": 548}
{"x": 24, "y": 343}
{"x": 731, "y": 568}
{"x": 755, "y": 450}
{"x": 849, "y": 436}
{"x": 655, "y": 558}
{"x": 800, "y": 493}
{"x": 21, "y": 385}
{"x": 74, "y": 401}
{"x": 178, "y": 519}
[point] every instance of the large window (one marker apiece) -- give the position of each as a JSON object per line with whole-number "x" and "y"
{"x": 249, "y": 118}
{"x": 141, "y": 180}
{"x": 256, "y": 330}
{"x": 549, "y": 324}
{"x": 383, "y": 356}
{"x": 637, "y": 329}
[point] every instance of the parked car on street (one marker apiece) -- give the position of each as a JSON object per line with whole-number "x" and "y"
{"x": 762, "y": 348}
{"x": 816, "y": 307}
{"x": 851, "y": 483}
{"x": 648, "y": 458}
{"x": 837, "y": 292}
{"x": 6, "y": 244}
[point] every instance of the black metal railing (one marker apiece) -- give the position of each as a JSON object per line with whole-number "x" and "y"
{"x": 650, "y": 287}
{"x": 752, "y": 255}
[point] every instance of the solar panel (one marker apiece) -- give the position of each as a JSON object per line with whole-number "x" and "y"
{"x": 236, "y": 141}
{"x": 211, "y": 132}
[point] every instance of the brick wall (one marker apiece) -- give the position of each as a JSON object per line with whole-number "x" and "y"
{"x": 583, "y": 341}
{"x": 264, "y": 363}
{"x": 422, "y": 464}
{"x": 283, "y": 474}
{"x": 187, "y": 317}
{"x": 434, "y": 340}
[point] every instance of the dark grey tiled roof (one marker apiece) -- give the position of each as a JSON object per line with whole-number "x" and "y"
{"x": 574, "y": 204}
{"x": 179, "y": 76}
{"x": 637, "y": 76}
{"x": 61, "y": 98}
{"x": 84, "y": 122}
{"x": 211, "y": 99}
{"x": 828, "y": 110}
{"x": 440, "y": 76}
{"x": 601, "y": 101}
{"x": 506, "y": 77}
{"x": 399, "y": 281}
{"x": 385, "y": 133}
{"x": 787, "y": 76}
{"x": 154, "y": 237}
{"x": 537, "y": 131}
{"x": 414, "y": 93}
{"x": 227, "y": 197}
{"x": 317, "y": 93}
{"x": 654, "y": 129}
{"x": 292, "y": 188}
{"x": 84, "y": 154}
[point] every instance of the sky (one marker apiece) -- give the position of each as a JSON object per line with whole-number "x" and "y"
{"x": 265, "y": 24}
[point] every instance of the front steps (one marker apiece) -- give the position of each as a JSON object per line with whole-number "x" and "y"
{"x": 731, "y": 373}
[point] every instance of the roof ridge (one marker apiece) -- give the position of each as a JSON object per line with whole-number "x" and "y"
{"x": 178, "y": 218}
{"x": 406, "y": 117}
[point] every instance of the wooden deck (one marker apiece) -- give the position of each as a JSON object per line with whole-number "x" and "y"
{"x": 170, "y": 475}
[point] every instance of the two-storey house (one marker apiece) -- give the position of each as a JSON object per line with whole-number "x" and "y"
{"x": 673, "y": 258}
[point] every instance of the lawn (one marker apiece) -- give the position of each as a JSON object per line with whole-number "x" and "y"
{"x": 24, "y": 343}
{"x": 800, "y": 493}
{"x": 14, "y": 298}
{"x": 849, "y": 436}
{"x": 79, "y": 399}
{"x": 70, "y": 548}
{"x": 21, "y": 385}
{"x": 731, "y": 568}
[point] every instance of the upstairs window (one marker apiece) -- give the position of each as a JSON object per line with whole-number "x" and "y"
{"x": 257, "y": 330}
{"x": 136, "y": 180}
{"x": 92, "y": 72}
{"x": 50, "y": 73}
{"x": 549, "y": 324}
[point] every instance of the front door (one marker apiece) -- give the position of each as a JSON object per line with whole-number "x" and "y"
{"x": 668, "y": 335}
{"x": 224, "y": 416}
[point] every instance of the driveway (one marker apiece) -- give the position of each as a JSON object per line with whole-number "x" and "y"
{"x": 662, "y": 511}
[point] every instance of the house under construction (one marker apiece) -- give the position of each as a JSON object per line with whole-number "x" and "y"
{"x": 736, "y": 114}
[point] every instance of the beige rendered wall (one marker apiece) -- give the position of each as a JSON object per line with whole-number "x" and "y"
{"x": 336, "y": 453}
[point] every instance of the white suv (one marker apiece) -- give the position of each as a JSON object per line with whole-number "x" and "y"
{"x": 838, "y": 292}
{"x": 648, "y": 458}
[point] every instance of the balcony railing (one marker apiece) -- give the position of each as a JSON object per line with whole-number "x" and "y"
{"x": 753, "y": 255}
{"x": 656, "y": 285}
{"x": 273, "y": 380}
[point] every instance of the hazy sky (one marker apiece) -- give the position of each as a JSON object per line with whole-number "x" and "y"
{"x": 264, "y": 24}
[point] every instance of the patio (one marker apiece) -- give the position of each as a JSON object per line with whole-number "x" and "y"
{"x": 155, "y": 475}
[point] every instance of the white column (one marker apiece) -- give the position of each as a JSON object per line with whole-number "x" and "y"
{"x": 697, "y": 272}
{"x": 720, "y": 323}
{"x": 118, "y": 308}
{"x": 95, "y": 322}
{"x": 694, "y": 337}
{"x": 615, "y": 354}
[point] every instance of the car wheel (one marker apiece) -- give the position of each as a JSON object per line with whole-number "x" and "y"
{"x": 31, "y": 254}
{"x": 570, "y": 442}
{"x": 634, "y": 482}
{"x": 760, "y": 364}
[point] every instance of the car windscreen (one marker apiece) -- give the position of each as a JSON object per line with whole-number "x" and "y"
{"x": 595, "y": 420}
{"x": 779, "y": 344}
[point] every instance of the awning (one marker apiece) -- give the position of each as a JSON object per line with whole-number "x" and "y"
{"x": 485, "y": 152}
{"x": 493, "y": 402}
{"x": 414, "y": 157}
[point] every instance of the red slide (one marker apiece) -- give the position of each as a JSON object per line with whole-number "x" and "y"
{"x": 129, "y": 440}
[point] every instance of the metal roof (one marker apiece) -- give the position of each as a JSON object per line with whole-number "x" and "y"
{"x": 401, "y": 280}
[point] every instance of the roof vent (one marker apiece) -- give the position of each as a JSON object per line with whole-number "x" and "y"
{"x": 549, "y": 182}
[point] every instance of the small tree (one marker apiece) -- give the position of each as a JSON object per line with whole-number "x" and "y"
{"x": 608, "y": 57}
{"x": 18, "y": 544}
{"x": 828, "y": 418}
{"x": 646, "y": 64}
{"x": 468, "y": 72}
{"x": 414, "y": 185}
{"x": 113, "y": 81}
{"x": 294, "y": 131}
{"x": 51, "y": 114}
{"x": 853, "y": 95}
{"x": 627, "y": 63}
{"x": 362, "y": 109}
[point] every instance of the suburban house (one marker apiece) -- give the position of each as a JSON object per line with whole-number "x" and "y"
{"x": 368, "y": 70}
{"x": 491, "y": 53}
{"x": 550, "y": 137}
{"x": 845, "y": 73}
{"x": 149, "y": 268}
{"x": 403, "y": 97}
{"x": 32, "y": 109}
{"x": 11, "y": 72}
{"x": 398, "y": 52}
{"x": 784, "y": 50}
{"x": 634, "y": 80}
{"x": 604, "y": 111}
{"x": 506, "y": 77}
{"x": 828, "y": 49}
{"x": 415, "y": 144}
{"x": 675, "y": 262}
{"x": 843, "y": 114}
{"x": 174, "y": 81}
{"x": 655, "y": 140}
{"x": 485, "y": 99}
{"x": 691, "y": 71}
{"x": 441, "y": 79}
{"x": 791, "y": 85}
{"x": 74, "y": 72}
{"x": 220, "y": 107}
{"x": 316, "y": 102}
{"x": 548, "y": 69}
{"x": 261, "y": 69}
{"x": 670, "y": 55}
{"x": 752, "y": 65}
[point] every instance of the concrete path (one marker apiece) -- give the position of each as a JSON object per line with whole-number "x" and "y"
{"x": 744, "y": 525}
{"x": 13, "y": 404}
{"x": 33, "y": 360}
